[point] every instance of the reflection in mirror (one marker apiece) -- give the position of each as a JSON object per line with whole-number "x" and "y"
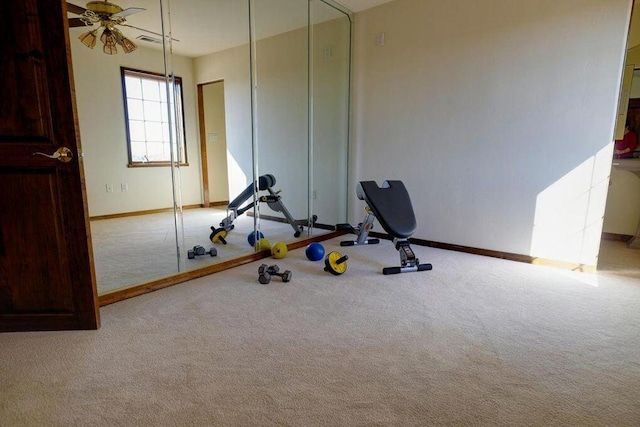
{"x": 304, "y": 145}
{"x": 221, "y": 70}
{"x": 147, "y": 220}
{"x": 331, "y": 45}
{"x": 281, "y": 119}
{"x": 125, "y": 152}
{"x": 633, "y": 113}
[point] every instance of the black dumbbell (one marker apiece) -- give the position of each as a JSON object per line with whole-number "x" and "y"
{"x": 200, "y": 250}
{"x": 265, "y": 272}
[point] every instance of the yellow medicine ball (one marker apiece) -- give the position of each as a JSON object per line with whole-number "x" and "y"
{"x": 263, "y": 245}
{"x": 279, "y": 250}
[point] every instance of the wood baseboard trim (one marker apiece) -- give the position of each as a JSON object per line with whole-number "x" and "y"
{"x": 220, "y": 203}
{"x": 582, "y": 268}
{"x": 497, "y": 254}
{"x": 616, "y": 237}
{"x": 284, "y": 220}
{"x": 154, "y": 285}
{"x": 138, "y": 213}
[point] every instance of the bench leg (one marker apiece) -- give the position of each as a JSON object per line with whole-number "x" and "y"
{"x": 408, "y": 260}
{"x": 363, "y": 232}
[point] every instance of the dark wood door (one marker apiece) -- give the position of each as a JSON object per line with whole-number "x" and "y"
{"x": 47, "y": 280}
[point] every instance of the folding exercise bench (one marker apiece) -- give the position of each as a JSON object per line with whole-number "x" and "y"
{"x": 272, "y": 199}
{"x": 391, "y": 205}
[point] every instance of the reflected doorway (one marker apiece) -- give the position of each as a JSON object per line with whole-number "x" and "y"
{"x": 620, "y": 222}
{"x": 213, "y": 143}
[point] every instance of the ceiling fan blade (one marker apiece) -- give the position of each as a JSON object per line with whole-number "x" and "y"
{"x": 75, "y": 9}
{"x": 128, "y": 11}
{"x": 77, "y": 22}
{"x": 147, "y": 31}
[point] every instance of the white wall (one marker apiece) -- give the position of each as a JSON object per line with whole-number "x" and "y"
{"x": 498, "y": 116}
{"x": 103, "y": 134}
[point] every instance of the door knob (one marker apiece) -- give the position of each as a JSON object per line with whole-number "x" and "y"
{"x": 63, "y": 154}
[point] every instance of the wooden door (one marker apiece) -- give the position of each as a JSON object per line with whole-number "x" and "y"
{"x": 47, "y": 280}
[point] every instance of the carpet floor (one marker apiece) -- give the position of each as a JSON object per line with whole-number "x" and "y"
{"x": 476, "y": 341}
{"x": 618, "y": 259}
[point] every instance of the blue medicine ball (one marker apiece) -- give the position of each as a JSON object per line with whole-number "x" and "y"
{"x": 251, "y": 238}
{"x": 315, "y": 251}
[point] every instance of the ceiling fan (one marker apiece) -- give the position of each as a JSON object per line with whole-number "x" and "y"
{"x": 107, "y": 16}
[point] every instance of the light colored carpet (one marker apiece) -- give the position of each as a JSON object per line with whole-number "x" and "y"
{"x": 477, "y": 341}
{"x": 132, "y": 250}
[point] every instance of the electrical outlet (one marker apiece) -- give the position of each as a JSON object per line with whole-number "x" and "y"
{"x": 109, "y": 188}
{"x": 124, "y": 187}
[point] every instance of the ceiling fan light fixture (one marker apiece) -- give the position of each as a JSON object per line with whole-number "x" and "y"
{"x": 109, "y": 48}
{"x": 127, "y": 45}
{"x": 89, "y": 38}
{"x": 109, "y": 41}
{"x": 103, "y": 7}
{"x": 108, "y": 16}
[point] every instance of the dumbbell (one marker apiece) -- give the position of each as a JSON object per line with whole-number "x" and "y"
{"x": 265, "y": 272}
{"x": 200, "y": 250}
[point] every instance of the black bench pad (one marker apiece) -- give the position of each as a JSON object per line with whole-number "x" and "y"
{"x": 392, "y": 207}
{"x": 264, "y": 182}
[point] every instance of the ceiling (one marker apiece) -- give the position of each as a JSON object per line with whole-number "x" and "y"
{"x": 205, "y": 26}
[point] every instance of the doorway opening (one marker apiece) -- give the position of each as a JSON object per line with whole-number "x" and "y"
{"x": 618, "y": 254}
{"x": 213, "y": 144}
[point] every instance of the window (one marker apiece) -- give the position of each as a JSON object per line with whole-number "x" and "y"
{"x": 147, "y": 119}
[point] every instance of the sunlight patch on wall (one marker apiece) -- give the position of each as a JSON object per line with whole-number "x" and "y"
{"x": 238, "y": 180}
{"x": 569, "y": 213}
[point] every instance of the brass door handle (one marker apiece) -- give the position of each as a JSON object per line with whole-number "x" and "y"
{"x": 63, "y": 154}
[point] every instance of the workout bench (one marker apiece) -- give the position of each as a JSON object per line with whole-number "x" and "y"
{"x": 272, "y": 199}
{"x": 391, "y": 205}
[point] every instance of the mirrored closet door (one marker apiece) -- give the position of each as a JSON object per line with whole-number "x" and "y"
{"x": 124, "y": 115}
{"x": 301, "y": 79}
{"x": 330, "y": 89}
{"x": 182, "y": 106}
{"x": 215, "y": 35}
{"x": 280, "y": 77}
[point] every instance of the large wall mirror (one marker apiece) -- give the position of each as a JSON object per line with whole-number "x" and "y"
{"x": 180, "y": 116}
{"x": 280, "y": 77}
